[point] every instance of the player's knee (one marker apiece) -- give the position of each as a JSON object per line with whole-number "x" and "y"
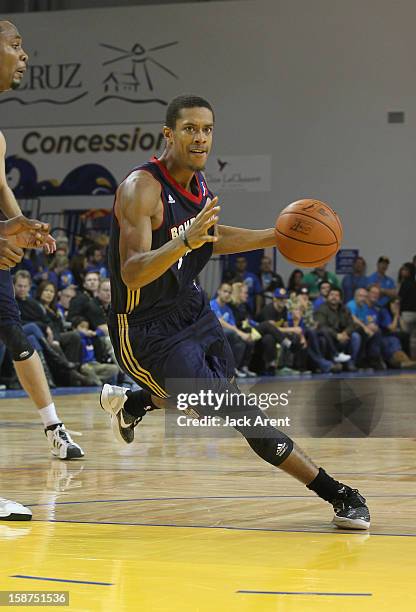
{"x": 273, "y": 450}
{"x": 16, "y": 342}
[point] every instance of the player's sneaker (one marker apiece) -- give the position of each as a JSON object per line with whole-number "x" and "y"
{"x": 350, "y": 509}
{"x": 13, "y": 511}
{"x": 112, "y": 400}
{"x": 61, "y": 444}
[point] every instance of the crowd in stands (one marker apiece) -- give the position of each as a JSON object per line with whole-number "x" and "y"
{"x": 312, "y": 323}
{"x": 315, "y": 322}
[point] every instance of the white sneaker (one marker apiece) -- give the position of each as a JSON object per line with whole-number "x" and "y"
{"x": 342, "y": 358}
{"x": 239, "y": 374}
{"x": 112, "y": 400}
{"x": 13, "y": 511}
{"x": 249, "y": 373}
{"x": 61, "y": 444}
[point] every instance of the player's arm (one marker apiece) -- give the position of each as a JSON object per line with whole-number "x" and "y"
{"x": 21, "y": 232}
{"x": 238, "y": 240}
{"x": 138, "y": 207}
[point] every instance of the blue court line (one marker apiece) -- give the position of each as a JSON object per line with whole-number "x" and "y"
{"x": 144, "y": 499}
{"x": 230, "y": 528}
{"x": 62, "y": 580}
{"x": 305, "y": 593}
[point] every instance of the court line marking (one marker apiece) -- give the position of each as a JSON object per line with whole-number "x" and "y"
{"x": 304, "y": 593}
{"x": 62, "y": 580}
{"x": 140, "y": 499}
{"x": 229, "y": 527}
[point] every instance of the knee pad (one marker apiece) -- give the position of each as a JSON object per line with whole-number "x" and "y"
{"x": 16, "y": 342}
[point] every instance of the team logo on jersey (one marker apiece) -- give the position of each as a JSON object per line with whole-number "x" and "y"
{"x": 178, "y": 230}
{"x": 171, "y": 200}
{"x": 204, "y": 189}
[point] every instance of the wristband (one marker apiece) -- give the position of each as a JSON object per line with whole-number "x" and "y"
{"x": 185, "y": 241}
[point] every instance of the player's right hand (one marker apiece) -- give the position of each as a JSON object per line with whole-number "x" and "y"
{"x": 10, "y": 255}
{"x": 197, "y": 234}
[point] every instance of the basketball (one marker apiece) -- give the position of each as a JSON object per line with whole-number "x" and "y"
{"x": 308, "y": 233}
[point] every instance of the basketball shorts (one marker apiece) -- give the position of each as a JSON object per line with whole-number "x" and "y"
{"x": 186, "y": 343}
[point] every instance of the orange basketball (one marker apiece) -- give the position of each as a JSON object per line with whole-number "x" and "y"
{"x": 308, "y": 233}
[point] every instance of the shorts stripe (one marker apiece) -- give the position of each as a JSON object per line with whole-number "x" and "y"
{"x": 131, "y": 363}
{"x": 133, "y": 299}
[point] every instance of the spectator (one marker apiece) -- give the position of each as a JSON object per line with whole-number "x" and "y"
{"x": 295, "y": 282}
{"x": 313, "y": 279}
{"x": 103, "y": 297}
{"x": 385, "y": 283}
{"x": 391, "y": 345}
{"x": 366, "y": 318}
{"x": 389, "y": 321}
{"x": 85, "y": 304}
{"x": 269, "y": 280}
{"x": 291, "y": 348}
{"x": 78, "y": 265}
{"x": 407, "y": 294}
{"x": 341, "y": 334}
{"x": 64, "y": 299}
{"x": 62, "y": 246}
{"x": 240, "y": 341}
{"x": 59, "y": 273}
{"x": 97, "y": 373}
{"x": 302, "y": 301}
{"x": 251, "y": 280}
{"x": 355, "y": 280}
{"x": 96, "y": 261}
{"x": 324, "y": 288}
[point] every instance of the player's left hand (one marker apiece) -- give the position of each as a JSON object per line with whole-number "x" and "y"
{"x": 49, "y": 246}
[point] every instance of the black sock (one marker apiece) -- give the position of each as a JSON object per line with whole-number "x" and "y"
{"x": 137, "y": 402}
{"x": 325, "y": 486}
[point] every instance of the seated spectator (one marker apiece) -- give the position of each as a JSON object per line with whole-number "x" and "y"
{"x": 251, "y": 280}
{"x": 385, "y": 283}
{"x": 97, "y": 373}
{"x": 324, "y": 288}
{"x": 366, "y": 317}
{"x": 62, "y": 246}
{"x": 96, "y": 261}
{"x": 407, "y": 294}
{"x": 310, "y": 341}
{"x": 269, "y": 280}
{"x": 336, "y": 324}
{"x": 355, "y": 280}
{"x": 390, "y": 322}
{"x": 59, "y": 273}
{"x": 240, "y": 341}
{"x": 85, "y": 304}
{"x": 64, "y": 299}
{"x": 103, "y": 297}
{"x": 313, "y": 279}
{"x": 78, "y": 266}
{"x": 295, "y": 282}
{"x": 391, "y": 346}
{"x": 301, "y": 300}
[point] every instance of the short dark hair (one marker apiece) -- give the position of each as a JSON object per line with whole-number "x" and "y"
{"x": 185, "y": 101}
{"x": 337, "y": 289}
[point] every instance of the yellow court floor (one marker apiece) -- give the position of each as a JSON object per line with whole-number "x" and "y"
{"x": 200, "y": 524}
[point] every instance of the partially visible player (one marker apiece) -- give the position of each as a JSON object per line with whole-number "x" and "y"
{"x": 164, "y": 230}
{"x": 17, "y": 234}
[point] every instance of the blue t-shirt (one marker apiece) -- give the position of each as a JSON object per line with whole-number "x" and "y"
{"x": 319, "y": 300}
{"x": 385, "y": 319}
{"x": 254, "y": 287}
{"x": 366, "y": 314}
{"x": 350, "y": 283}
{"x": 223, "y": 312}
{"x": 385, "y": 283}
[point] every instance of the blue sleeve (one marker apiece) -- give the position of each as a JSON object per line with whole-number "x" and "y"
{"x": 215, "y": 308}
{"x": 384, "y": 318}
{"x": 352, "y": 307}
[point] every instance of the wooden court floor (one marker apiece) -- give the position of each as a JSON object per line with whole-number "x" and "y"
{"x": 200, "y": 524}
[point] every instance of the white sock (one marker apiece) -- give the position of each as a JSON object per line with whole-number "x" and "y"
{"x": 48, "y": 415}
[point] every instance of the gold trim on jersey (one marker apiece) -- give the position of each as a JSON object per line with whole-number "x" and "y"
{"x": 129, "y": 360}
{"x": 133, "y": 299}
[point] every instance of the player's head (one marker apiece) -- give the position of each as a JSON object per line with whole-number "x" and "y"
{"x": 188, "y": 131}
{"x": 13, "y": 58}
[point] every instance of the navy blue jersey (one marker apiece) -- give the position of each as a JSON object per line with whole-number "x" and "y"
{"x": 180, "y": 207}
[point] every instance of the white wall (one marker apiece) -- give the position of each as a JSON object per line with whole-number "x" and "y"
{"x": 308, "y": 83}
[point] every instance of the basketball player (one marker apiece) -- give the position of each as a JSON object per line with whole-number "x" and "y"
{"x": 13, "y": 61}
{"x": 164, "y": 230}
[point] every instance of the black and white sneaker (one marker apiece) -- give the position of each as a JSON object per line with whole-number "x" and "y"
{"x": 13, "y": 511}
{"x": 112, "y": 400}
{"x": 350, "y": 509}
{"x": 61, "y": 444}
